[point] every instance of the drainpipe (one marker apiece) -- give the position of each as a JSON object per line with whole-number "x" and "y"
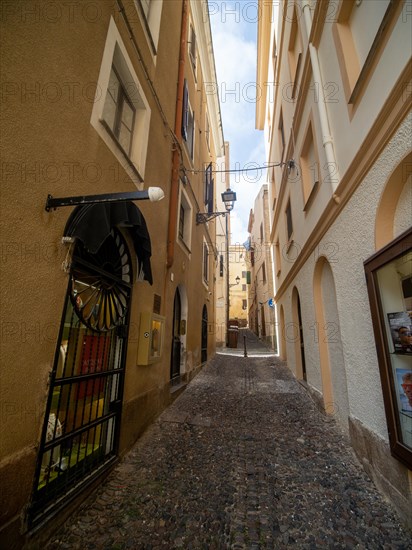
{"x": 174, "y": 188}
{"x": 332, "y": 165}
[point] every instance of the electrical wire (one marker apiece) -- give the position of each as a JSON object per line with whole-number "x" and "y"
{"x": 240, "y": 169}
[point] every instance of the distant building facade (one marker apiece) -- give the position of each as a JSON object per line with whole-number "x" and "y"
{"x": 238, "y": 295}
{"x": 261, "y": 309}
{"x": 335, "y": 105}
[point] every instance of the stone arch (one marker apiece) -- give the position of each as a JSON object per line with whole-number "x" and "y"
{"x": 391, "y": 219}
{"x": 282, "y": 338}
{"x": 298, "y": 338}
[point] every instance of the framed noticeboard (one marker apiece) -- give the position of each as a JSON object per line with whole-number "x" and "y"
{"x": 389, "y": 282}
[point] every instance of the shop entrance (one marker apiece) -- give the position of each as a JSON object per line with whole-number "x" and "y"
{"x": 81, "y": 428}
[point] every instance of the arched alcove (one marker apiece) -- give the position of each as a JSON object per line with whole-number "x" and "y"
{"x": 282, "y": 334}
{"x": 328, "y": 335}
{"x": 298, "y": 338}
{"x": 394, "y": 213}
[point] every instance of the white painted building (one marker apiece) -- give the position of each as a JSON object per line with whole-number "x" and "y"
{"x": 335, "y": 107}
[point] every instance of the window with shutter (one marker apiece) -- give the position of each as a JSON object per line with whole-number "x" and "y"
{"x": 185, "y": 110}
{"x": 205, "y": 263}
{"x": 192, "y": 47}
{"x": 119, "y": 112}
{"x": 209, "y": 183}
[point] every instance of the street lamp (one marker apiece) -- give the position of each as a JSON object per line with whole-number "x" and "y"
{"x": 228, "y": 198}
{"x": 237, "y": 282}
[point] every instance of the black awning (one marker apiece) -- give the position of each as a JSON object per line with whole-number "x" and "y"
{"x": 92, "y": 224}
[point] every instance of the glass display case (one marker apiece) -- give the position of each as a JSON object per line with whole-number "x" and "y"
{"x": 389, "y": 281}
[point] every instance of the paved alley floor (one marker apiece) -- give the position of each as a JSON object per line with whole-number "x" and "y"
{"x": 242, "y": 459}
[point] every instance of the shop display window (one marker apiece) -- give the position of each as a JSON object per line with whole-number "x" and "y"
{"x": 389, "y": 280}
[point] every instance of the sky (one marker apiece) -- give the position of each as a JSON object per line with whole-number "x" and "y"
{"x": 234, "y": 31}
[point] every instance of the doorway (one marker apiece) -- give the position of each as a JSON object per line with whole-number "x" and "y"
{"x": 176, "y": 344}
{"x": 298, "y": 337}
{"x": 301, "y": 341}
{"x": 204, "y": 335}
{"x": 82, "y": 424}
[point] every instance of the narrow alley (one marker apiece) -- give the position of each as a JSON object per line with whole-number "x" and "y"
{"x": 242, "y": 459}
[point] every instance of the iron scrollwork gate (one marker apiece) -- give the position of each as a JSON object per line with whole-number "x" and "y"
{"x": 81, "y": 429}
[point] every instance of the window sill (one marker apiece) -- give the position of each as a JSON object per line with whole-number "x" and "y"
{"x": 147, "y": 29}
{"x": 311, "y": 196}
{"x": 289, "y": 245}
{"x": 184, "y": 246}
{"x": 123, "y": 152}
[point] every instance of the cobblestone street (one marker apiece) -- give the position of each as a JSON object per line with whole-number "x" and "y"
{"x": 242, "y": 459}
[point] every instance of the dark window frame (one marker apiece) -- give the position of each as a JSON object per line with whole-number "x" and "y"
{"x": 289, "y": 220}
{"x": 395, "y": 249}
{"x": 117, "y": 123}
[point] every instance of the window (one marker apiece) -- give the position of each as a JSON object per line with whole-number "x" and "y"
{"x": 261, "y": 233}
{"x": 295, "y": 53}
{"x": 209, "y": 183}
{"x": 207, "y": 131}
{"x": 185, "y": 219}
{"x": 122, "y": 117}
{"x": 244, "y": 304}
{"x": 278, "y": 263}
{"x": 281, "y": 136}
{"x": 192, "y": 48}
{"x": 359, "y": 33}
{"x": 243, "y": 274}
{"x": 221, "y": 265}
{"x": 188, "y": 121}
{"x": 205, "y": 263}
{"x": 264, "y": 272}
{"x": 273, "y": 187}
{"x": 289, "y": 224}
{"x": 309, "y": 166}
{"x": 151, "y": 12}
{"x": 243, "y": 288}
{"x": 181, "y": 221}
{"x": 274, "y": 58}
{"x": 119, "y": 112}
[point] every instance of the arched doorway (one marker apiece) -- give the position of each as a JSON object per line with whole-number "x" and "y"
{"x": 282, "y": 339}
{"x": 176, "y": 344}
{"x": 204, "y": 335}
{"x": 81, "y": 429}
{"x": 299, "y": 339}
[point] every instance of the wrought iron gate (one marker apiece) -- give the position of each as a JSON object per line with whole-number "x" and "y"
{"x": 81, "y": 428}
